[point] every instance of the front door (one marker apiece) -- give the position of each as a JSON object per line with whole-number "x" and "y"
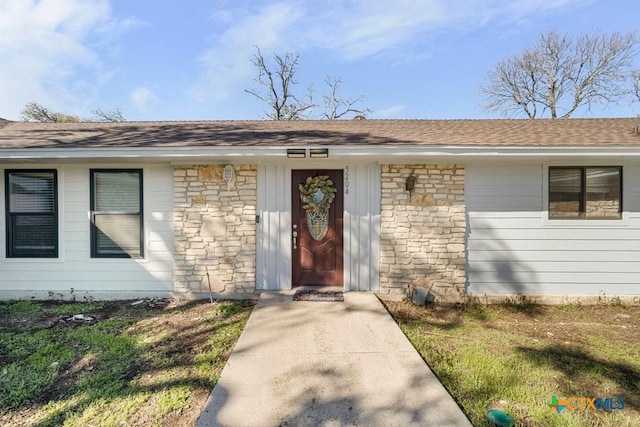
{"x": 317, "y": 253}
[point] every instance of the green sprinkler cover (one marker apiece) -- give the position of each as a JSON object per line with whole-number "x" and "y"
{"x": 499, "y": 418}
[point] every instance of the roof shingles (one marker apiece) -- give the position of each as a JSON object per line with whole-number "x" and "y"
{"x": 499, "y": 133}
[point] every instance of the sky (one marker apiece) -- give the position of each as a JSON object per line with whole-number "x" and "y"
{"x": 191, "y": 59}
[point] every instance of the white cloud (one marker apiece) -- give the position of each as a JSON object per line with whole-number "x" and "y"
{"x": 348, "y": 29}
{"x": 389, "y": 112}
{"x": 141, "y": 98}
{"x": 357, "y": 29}
{"x": 360, "y": 28}
{"x": 228, "y": 60}
{"x": 44, "y": 48}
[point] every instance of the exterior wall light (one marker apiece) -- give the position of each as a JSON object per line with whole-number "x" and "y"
{"x": 229, "y": 175}
{"x": 296, "y": 153}
{"x": 411, "y": 183}
{"x": 319, "y": 153}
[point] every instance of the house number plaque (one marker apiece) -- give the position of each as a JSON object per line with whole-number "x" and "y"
{"x": 346, "y": 180}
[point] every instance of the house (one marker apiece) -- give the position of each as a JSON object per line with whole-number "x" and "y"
{"x": 544, "y": 208}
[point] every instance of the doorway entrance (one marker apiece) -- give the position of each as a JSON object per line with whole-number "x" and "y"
{"x": 317, "y": 243}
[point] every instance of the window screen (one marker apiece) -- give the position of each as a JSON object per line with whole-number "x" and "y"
{"x": 116, "y": 213}
{"x": 32, "y": 219}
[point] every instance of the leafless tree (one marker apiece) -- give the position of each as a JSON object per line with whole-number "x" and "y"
{"x": 35, "y": 112}
{"x": 635, "y": 82}
{"x": 276, "y": 87}
{"x": 560, "y": 74}
{"x": 114, "y": 115}
{"x": 336, "y": 107}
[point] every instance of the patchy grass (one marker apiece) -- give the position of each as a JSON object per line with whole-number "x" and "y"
{"x": 514, "y": 357}
{"x": 71, "y": 308}
{"x": 21, "y": 306}
{"x": 142, "y": 364}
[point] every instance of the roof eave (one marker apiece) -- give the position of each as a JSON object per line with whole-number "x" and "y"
{"x": 279, "y": 152}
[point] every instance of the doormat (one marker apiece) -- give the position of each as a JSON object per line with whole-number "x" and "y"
{"x": 315, "y": 295}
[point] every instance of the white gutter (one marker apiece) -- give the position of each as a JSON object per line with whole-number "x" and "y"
{"x": 271, "y": 152}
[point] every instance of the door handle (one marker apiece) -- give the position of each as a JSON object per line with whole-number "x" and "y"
{"x": 295, "y": 240}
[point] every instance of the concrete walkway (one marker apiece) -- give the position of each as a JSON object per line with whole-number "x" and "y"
{"x": 327, "y": 364}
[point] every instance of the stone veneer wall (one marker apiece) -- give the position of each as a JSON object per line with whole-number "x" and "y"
{"x": 214, "y": 230}
{"x": 422, "y": 235}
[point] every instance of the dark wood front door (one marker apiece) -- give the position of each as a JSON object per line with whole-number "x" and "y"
{"x": 317, "y": 262}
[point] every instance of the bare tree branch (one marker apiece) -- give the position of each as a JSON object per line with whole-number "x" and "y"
{"x": 114, "y": 115}
{"x": 635, "y": 83}
{"x": 34, "y": 112}
{"x": 336, "y": 107}
{"x": 559, "y": 75}
{"x": 276, "y": 85}
{"x": 276, "y": 89}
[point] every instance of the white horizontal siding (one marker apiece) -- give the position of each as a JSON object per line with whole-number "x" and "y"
{"x": 495, "y": 232}
{"x": 74, "y": 268}
{"x": 566, "y": 255}
{"x": 555, "y": 267}
{"x": 512, "y": 248}
{"x": 98, "y": 274}
{"x": 515, "y": 245}
{"x": 555, "y": 288}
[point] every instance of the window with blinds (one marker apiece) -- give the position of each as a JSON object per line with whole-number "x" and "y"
{"x": 116, "y": 214}
{"x": 31, "y": 213}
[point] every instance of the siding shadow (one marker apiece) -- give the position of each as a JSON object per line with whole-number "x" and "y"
{"x": 492, "y": 266}
{"x": 576, "y": 363}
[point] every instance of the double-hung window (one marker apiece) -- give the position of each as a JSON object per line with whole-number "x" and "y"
{"x": 585, "y": 192}
{"x": 31, "y": 213}
{"x": 116, "y": 213}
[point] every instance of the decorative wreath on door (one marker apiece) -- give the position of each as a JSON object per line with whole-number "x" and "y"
{"x": 317, "y": 193}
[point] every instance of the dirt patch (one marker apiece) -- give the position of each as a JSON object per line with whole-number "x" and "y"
{"x": 536, "y": 321}
{"x": 177, "y": 346}
{"x": 561, "y": 327}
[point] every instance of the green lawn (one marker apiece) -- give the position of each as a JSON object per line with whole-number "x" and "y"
{"x": 149, "y": 364}
{"x": 141, "y": 364}
{"x": 515, "y": 357}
